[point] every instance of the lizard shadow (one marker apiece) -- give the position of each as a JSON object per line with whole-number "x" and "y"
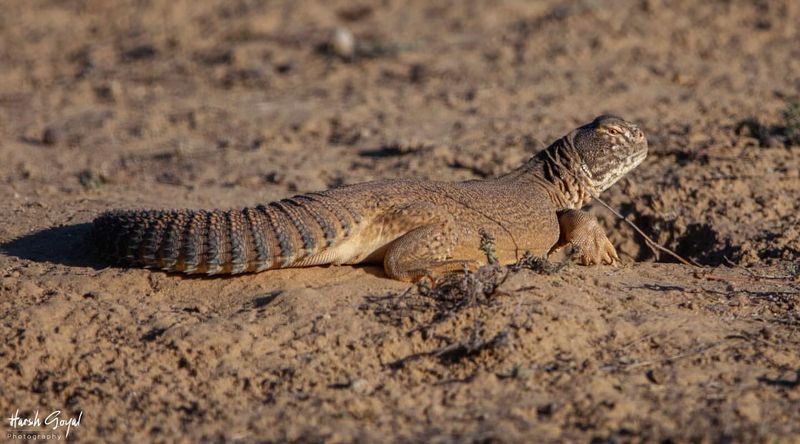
{"x": 65, "y": 245}
{"x": 375, "y": 270}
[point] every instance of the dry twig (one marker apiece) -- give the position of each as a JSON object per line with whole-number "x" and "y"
{"x": 650, "y": 242}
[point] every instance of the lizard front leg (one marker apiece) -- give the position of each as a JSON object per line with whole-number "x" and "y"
{"x": 425, "y": 250}
{"x": 581, "y": 231}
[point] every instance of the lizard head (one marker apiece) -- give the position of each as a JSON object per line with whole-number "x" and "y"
{"x": 609, "y": 147}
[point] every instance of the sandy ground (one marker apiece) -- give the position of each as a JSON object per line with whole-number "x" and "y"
{"x": 227, "y": 103}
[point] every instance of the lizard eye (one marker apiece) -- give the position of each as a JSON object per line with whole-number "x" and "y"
{"x": 613, "y": 131}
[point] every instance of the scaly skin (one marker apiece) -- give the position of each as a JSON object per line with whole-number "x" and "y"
{"x": 415, "y": 228}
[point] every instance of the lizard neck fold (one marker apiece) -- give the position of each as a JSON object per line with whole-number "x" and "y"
{"x": 560, "y": 170}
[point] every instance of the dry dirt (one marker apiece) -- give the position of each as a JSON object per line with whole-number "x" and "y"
{"x": 196, "y": 104}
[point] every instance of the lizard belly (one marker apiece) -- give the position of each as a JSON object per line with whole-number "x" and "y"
{"x": 363, "y": 247}
{"x": 367, "y": 249}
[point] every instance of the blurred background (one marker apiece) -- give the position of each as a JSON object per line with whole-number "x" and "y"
{"x": 226, "y": 103}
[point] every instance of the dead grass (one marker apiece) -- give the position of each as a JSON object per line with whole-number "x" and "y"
{"x": 431, "y": 306}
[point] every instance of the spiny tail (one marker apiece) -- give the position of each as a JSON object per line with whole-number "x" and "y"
{"x": 224, "y": 241}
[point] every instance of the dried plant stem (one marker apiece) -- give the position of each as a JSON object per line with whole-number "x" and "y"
{"x": 650, "y": 242}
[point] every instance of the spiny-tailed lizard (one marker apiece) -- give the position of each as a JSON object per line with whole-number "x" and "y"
{"x": 414, "y": 228}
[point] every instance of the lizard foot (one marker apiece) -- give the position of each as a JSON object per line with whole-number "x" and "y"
{"x": 594, "y": 250}
{"x": 424, "y": 252}
{"x": 584, "y": 235}
{"x": 432, "y": 270}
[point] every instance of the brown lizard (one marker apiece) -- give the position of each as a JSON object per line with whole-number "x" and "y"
{"x": 414, "y": 228}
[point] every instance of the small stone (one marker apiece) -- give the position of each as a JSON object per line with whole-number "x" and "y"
{"x": 522, "y": 373}
{"x": 107, "y": 92}
{"x": 28, "y": 288}
{"x": 217, "y": 56}
{"x": 749, "y": 406}
{"x": 26, "y": 170}
{"x": 360, "y": 386}
{"x": 417, "y": 73}
{"x": 8, "y": 283}
{"x": 49, "y": 136}
{"x": 91, "y": 179}
{"x": 284, "y": 68}
{"x": 655, "y": 376}
{"x": 545, "y": 410}
{"x": 140, "y": 52}
{"x": 343, "y": 43}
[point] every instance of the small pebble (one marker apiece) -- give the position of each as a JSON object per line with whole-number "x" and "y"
{"x": 140, "y": 52}
{"x": 107, "y": 92}
{"x": 28, "y": 288}
{"x": 417, "y": 73}
{"x": 49, "y": 136}
{"x": 360, "y": 386}
{"x": 91, "y": 179}
{"x": 343, "y": 43}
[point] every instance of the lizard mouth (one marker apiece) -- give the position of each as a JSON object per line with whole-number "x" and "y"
{"x": 634, "y": 161}
{"x": 605, "y": 181}
{"x": 638, "y": 158}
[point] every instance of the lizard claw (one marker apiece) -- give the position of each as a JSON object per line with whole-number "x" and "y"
{"x": 594, "y": 249}
{"x": 609, "y": 252}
